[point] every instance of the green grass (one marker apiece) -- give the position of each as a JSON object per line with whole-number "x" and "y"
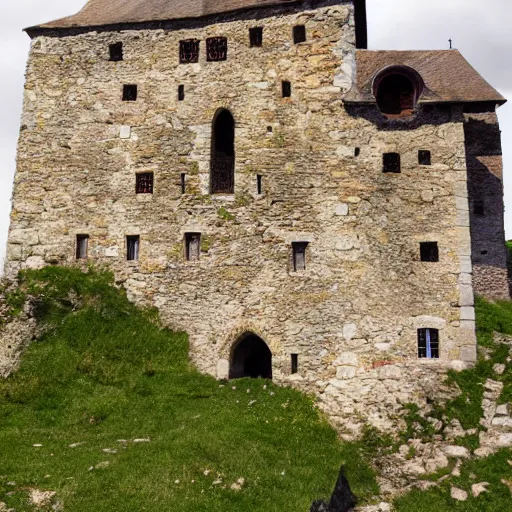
{"x": 106, "y": 371}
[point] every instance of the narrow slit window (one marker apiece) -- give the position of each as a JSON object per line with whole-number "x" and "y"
{"x": 424, "y": 157}
{"x": 189, "y": 51}
{"x": 299, "y": 255}
{"x": 132, "y": 247}
{"x": 479, "y": 208}
{"x": 357, "y": 152}
{"x": 295, "y": 364}
{"x": 391, "y": 163}
{"x": 144, "y": 183}
{"x": 256, "y": 36}
{"x": 259, "y": 184}
{"x": 82, "y": 247}
{"x": 216, "y": 49}
{"x": 286, "y": 89}
{"x": 192, "y": 246}
{"x": 116, "y": 52}
{"x": 181, "y": 92}
{"x": 429, "y": 251}
{"x": 299, "y": 34}
{"x": 183, "y": 183}
{"x": 130, "y": 92}
{"x": 428, "y": 343}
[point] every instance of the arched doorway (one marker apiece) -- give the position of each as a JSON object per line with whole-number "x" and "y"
{"x": 222, "y": 163}
{"x": 251, "y": 357}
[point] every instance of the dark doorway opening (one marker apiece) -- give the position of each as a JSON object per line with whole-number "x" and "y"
{"x": 222, "y": 167}
{"x": 251, "y": 357}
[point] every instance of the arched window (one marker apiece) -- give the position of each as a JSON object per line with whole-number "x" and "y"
{"x": 397, "y": 91}
{"x": 222, "y": 165}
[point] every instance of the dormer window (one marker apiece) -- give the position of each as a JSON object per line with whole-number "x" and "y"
{"x": 397, "y": 91}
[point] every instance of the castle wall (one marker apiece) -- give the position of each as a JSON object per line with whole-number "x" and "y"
{"x": 352, "y": 316}
{"x": 485, "y": 185}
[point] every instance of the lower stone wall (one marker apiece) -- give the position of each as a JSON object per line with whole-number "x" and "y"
{"x": 491, "y": 282}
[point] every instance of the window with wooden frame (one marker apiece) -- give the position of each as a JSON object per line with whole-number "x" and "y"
{"x": 144, "y": 183}
{"x": 424, "y": 157}
{"x": 129, "y": 92}
{"x": 216, "y": 49}
{"x": 132, "y": 247}
{"x": 192, "y": 246}
{"x": 429, "y": 251}
{"x": 391, "y": 163}
{"x": 256, "y": 36}
{"x": 299, "y": 34}
{"x": 299, "y": 255}
{"x": 82, "y": 247}
{"x": 428, "y": 343}
{"x": 116, "y": 52}
{"x": 189, "y": 51}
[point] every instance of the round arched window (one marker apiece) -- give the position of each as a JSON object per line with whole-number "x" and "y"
{"x": 397, "y": 91}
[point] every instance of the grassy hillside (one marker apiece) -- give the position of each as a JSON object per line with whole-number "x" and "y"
{"x": 107, "y": 412}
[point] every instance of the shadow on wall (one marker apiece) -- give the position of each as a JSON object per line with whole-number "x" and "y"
{"x": 342, "y": 499}
{"x": 485, "y": 190}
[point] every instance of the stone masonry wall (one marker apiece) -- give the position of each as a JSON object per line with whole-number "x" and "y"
{"x": 352, "y": 316}
{"x": 485, "y": 184}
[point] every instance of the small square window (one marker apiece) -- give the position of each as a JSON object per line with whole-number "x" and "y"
{"x": 299, "y": 255}
{"x": 183, "y": 182}
{"x": 428, "y": 343}
{"x": 192, "y": 246}
{"x": 256, "y": 36}
{"x": 132, "y": 247}
{"x": 286, "y": 89}
{"x": 189, "y": 51}
{"x": 299, "y": 34}
{"x": 82, "y": 247}
{"x": 295, "y": 364}
{"x": 144, "y": 183}
{"x": 216, "y": 49}
{"x": 116, "y": 52}
{"x": 479, "y": 208}
{"x": 391, "y": 163}
{"x": 130, "y": 92}
{"x": 424, "y": 157}
{"x": 259, "y": 184}
{"x": 181, "y": 92}
{"x": 429, "y": 251}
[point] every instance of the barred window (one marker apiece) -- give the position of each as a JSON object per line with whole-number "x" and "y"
{"x": 299, "y": 255}
{"x": 256, "y": 36}
{"x": 391, "y": 163}
{"x": 189, "y": 51}
{"x": 428, "y": 343}
{"x": 132, "y": 247}
{"x": 144, "y": 183}
{"x": 216, "y": 49}
{"x": 82, "y": 245}
{"x": 192, "y": 246}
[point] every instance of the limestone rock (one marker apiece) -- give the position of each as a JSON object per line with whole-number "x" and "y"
{"x": 477, "y": 489}
{"x": 458, "y": 494}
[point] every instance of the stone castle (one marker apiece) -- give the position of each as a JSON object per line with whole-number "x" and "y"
{"x": 306, "y": 209}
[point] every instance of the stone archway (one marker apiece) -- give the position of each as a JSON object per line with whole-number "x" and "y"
{"x": 250, "y": 357}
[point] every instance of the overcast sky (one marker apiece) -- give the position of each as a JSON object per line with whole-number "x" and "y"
{"x": 480, "y": 30}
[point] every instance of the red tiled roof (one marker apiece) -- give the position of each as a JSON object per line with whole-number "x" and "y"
{"x": 447, "y": 75}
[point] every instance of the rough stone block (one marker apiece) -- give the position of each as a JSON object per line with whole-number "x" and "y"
{"x": 342, "y": 209}
{"x": 125, "y": 132}
{"x": 390, "y": 372}
{"x": 345, "y": 372}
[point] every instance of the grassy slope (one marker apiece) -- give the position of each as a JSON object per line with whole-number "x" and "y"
{"x": 467, "y": 408}
{"x": 106, "y": 371}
